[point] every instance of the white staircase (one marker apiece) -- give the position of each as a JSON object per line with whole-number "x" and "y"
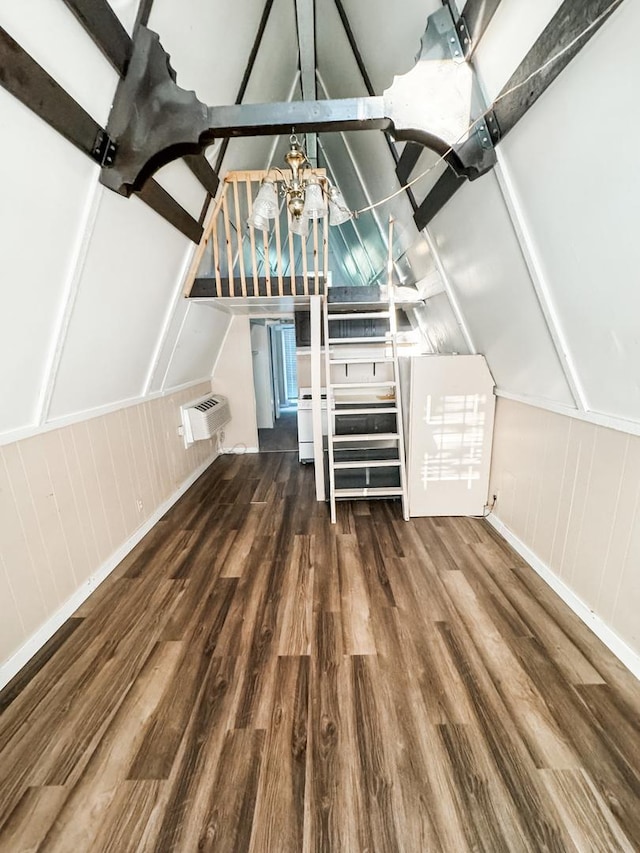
{"x": 365, "y": 440}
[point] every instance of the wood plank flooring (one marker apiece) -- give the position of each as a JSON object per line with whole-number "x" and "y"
{"x": 251, "y": 678}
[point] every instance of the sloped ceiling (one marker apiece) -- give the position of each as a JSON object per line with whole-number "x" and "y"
{"x": 535, "y": 265}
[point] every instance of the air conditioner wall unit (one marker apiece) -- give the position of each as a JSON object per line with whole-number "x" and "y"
{"x": 203, "y": 418}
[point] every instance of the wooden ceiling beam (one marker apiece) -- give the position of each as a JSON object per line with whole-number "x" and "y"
{"x": 103, "y": 25}
{"x": 27, "y": 81}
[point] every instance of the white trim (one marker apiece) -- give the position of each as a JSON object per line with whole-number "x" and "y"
{"x": 176, "y": 342}
{"x": 448, "y": 288}
{"x": 168, "y": 320}
{"x": 315, "y": 308}
{"x": 596, "y": 418}
{"x": 538, "y": 278}
{"x": 221, "y": 347}
{"x": 239, "y": 449}
{"x": 71, "y": 290}
{"x": 88, "y": 414}
{"x": 11, "y": 667}
{"x": 624, "y": 653}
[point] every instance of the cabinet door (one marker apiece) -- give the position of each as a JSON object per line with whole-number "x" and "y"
{"x": 450, "y": 435}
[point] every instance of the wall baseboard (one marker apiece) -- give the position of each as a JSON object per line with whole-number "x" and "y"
{"x": 10, "y": 668}
{"x": 625, "y": 654}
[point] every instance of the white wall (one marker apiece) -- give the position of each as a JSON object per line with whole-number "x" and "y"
{"x": 263, "y": 386}
{"x": 233, "y": 377}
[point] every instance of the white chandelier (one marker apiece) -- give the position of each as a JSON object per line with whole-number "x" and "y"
{"x": 308, "y": 196}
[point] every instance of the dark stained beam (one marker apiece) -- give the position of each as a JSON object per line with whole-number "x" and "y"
{"x": 144, "y": 12}
{"x": 565, "y": 35}
{"x": 103, "y": 25}
{"x": 29, "y": 83}
{"x": 164, "y": 204}
{"x": 408, "y": 160}
{"x": 445, "y": 188}
{"x": 203, "y": 171}
{"x": 561, "y": 33}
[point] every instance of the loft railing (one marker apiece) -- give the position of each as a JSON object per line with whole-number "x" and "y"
{"x": 236, "y": 260}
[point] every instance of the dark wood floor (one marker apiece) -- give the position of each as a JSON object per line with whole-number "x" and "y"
{"x": 252, "y": 678}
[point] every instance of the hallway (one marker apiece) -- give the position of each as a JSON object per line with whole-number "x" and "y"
{"x": 252, "y": 678}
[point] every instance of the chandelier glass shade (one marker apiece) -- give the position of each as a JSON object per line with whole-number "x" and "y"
{"x": 308, "y": 197}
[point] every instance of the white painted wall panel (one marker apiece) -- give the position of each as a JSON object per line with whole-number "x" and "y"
{"x": 51, "y": 34}
{"x": 126, "y": 10}
{"x": 395, "y": 52}
{"x": 439, "y": 326}
{"x": 233, "y": 377}
{"x": 581, "y": 202}
{"x": 209, "y": 43}
{"x": 180, "y": 182}
{"x": 489, "y": 277}
{"x": 40, "y": 225}
{"x": 133, "y": 263}
{"x": 198, "y": 344}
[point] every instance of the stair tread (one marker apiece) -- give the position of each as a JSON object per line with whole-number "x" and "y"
{"x": 359, "y": 360}
{"x": 367, "y": 436}
{"x": 377, "y": 339}
{"x": 378, "y": 383}
{"x": 358, "y": 315}
{"x": 370, "y": 492}
{"x": 368, "y": 463}
{"x": 367, "y": 410}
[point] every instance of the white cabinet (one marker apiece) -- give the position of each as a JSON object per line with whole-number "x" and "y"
{"x": 448, "y": 405}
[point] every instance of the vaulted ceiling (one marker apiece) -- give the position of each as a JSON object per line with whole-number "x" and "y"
{"x": 533, "y": 264}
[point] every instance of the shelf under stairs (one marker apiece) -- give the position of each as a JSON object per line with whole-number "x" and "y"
{"x": 365, "y": 440}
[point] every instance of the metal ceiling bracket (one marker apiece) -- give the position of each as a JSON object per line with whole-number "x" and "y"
{"x": 104, "y": 149}
{"x": 152, "y": 118}
{"x": 464, "y": 36}
{"x": 154, "y": 121}
{"x": 442, "y": 92}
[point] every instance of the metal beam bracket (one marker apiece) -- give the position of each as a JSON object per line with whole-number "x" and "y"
{"x": 442, "y": 91}
{"x": 104, "y": 149}
{"x": 151, "y": 116}
{"x": 464, "y": 36}
{"x": 154, "y": 121}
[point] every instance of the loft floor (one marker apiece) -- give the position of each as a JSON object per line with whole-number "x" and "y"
{"x": 252, "y": 678}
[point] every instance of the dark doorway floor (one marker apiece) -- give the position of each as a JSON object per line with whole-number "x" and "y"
{"x": 283, "y": 436}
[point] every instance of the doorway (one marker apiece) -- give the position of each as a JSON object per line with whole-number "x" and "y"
{"x": 273, "y": 347}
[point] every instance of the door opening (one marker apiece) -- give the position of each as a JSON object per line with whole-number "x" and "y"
{"x": 273, "y": 346}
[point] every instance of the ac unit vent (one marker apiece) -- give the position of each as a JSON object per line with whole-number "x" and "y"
{"x": 203, "y": 418}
